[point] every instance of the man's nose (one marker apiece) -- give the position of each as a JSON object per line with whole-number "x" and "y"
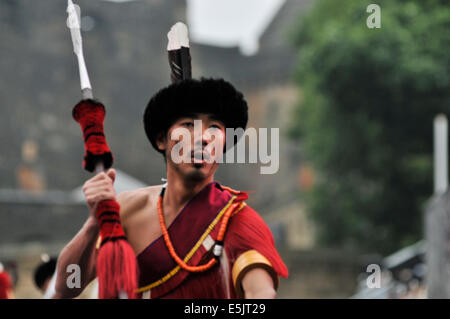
{"x": 203, "y": 139}
{"x": 206, "y": 136}
{"x": 200, "y": 136}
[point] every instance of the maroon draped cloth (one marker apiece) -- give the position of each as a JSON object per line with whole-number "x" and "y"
{"x": 201, "y": 218}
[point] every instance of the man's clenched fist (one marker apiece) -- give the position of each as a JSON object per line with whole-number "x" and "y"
{"x": 99, "y": 188}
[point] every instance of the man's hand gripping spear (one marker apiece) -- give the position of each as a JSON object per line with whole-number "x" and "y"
{"x": 116, "y": 262}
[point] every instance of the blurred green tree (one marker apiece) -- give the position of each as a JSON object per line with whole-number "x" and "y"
{"x": 365, "y": 118}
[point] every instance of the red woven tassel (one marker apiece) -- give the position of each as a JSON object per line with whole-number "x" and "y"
{"x": 116, "y": 262}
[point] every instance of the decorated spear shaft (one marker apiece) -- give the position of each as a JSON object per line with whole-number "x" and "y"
{"x": 116, "y": 261}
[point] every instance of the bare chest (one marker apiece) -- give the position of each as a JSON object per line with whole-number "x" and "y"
{"x": 143, "y": 227}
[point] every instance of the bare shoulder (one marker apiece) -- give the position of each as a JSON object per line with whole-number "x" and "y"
{"x": 135, "y": 200}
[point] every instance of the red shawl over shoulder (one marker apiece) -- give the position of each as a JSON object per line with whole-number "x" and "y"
{"x": 193, "y": 234}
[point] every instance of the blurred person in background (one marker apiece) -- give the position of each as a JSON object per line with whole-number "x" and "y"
{"x": 44, "y": 272}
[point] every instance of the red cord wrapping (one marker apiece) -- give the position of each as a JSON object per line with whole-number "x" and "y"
{"x": 90, "y": 115}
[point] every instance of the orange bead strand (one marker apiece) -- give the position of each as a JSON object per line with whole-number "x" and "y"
{"x": 169, "y": 245}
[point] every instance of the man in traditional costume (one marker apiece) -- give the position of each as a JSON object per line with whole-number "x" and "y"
{"x": 192, "y": 237}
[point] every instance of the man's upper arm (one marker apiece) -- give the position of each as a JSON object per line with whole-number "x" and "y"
{"x": 250, "y": 246}
{"x": 258, "y": 284}
{"x": 252, "y": 274}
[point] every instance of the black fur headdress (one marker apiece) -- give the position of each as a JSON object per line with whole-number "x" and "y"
{"x": 187, "y": 97}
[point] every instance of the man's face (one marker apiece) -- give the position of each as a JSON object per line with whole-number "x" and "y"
{"x": 193, "y": 145}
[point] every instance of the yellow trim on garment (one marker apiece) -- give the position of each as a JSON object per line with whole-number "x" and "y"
{"x": 194, "y": 249}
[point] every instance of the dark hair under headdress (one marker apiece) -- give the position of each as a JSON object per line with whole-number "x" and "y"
{"x": 190, "y": 96}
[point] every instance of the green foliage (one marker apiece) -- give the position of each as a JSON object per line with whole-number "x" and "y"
{"x": 369, "y": 97}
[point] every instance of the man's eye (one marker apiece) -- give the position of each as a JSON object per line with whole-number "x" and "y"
{"x": 215, "y": 126}
{"x": 188, "y": 124}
